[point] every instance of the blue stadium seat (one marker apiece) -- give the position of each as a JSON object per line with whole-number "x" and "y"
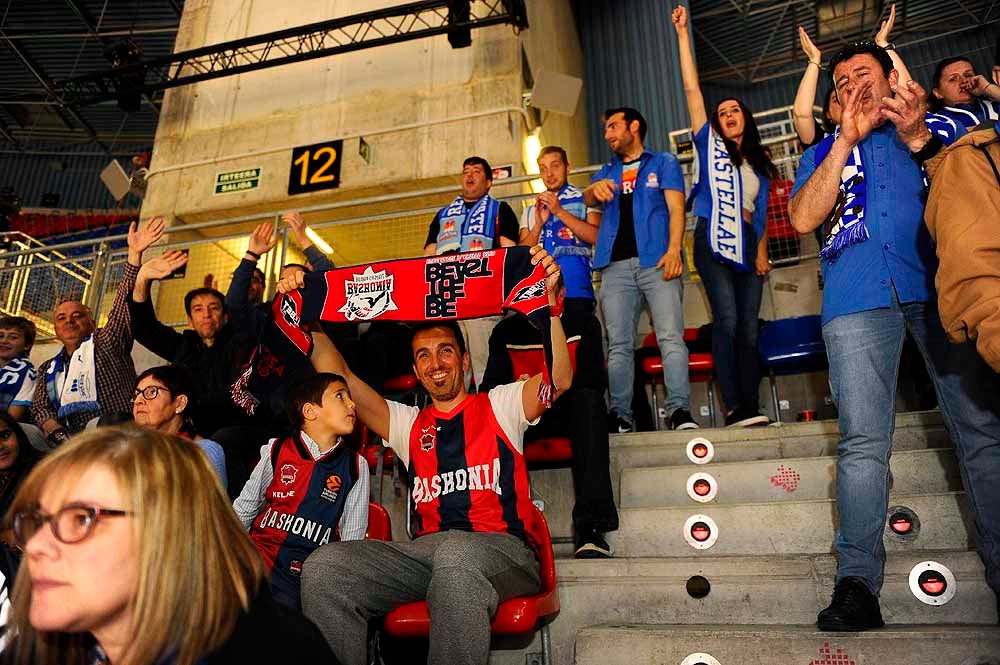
{"x": 791, "y": 346}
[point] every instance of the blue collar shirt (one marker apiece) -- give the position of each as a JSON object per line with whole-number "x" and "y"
{"x": 899, "y": 252}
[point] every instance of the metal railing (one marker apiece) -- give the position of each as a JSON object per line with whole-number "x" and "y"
{"x": 34, "y": 276}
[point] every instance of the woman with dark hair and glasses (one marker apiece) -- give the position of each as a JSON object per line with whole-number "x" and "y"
{"x": 133, "y": 556}
{"x": 963, "y": 95}
{"x": 730, "y": 239}
{"x": 162, "y": 397}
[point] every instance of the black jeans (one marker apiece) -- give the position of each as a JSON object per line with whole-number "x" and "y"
{"x": 735, "y": 300}
{"x": 581, "y": 415}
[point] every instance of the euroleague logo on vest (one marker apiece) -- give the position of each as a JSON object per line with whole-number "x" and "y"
{"x": 331, "y": 488}
{"x": 368, "y": 296}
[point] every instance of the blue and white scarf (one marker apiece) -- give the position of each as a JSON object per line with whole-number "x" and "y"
{"x": 556, "y": 237}
{"x": 72, "y": 387}
{"x": 468, "y": 230}
{"x": 849, "y": 226}
{"x": 12, "y": 378}
{"x": 725, "y": 226}
{"x": 978, "y": 111}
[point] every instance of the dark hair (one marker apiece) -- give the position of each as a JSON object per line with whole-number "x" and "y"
{"x": 447, "y": 325}
{"x": 260, "y": 273}
{"x": 27, "y": 457}
{"x": 474, "y": 160}
{"x": 750, "y": 147}
{"x": 933, "y": 101}
{"x": 296, "y": 265}
{"x": 26, "y": 327}
{"x": 309, "y": 390}
{"x": 177, "y": 382}
{"x": 554, "y": 150}
{"x": 203, "y": 291}
{"x": 630, "y": 115}
{"x": 861, "y": 48}
{"x": 829, "y": 126}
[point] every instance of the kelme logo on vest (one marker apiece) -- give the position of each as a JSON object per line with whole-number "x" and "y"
{"x": 368, "y": 295}
{"x": 481, "y": 477}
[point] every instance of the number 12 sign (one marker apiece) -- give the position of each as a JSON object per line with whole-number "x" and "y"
{"x": 315, "y": 167}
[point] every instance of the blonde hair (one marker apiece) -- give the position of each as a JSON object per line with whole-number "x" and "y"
{"x": 197, "y": 566}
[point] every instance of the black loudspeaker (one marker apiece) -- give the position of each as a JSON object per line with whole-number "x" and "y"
{"x": 459, "y": 12}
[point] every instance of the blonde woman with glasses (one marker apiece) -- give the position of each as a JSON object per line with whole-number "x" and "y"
{"x": 133, "y": 556}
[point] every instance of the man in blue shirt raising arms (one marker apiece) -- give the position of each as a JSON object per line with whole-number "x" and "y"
{"x": 878, "y": 265}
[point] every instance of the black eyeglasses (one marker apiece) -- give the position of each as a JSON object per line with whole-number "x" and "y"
{"x": 149, "y": 392}
{"x": 69, "y": 525}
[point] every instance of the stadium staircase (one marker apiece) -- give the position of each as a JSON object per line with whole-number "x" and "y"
{"x": 752, "y": 597}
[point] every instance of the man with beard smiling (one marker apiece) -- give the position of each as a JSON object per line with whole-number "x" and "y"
{"x": 469, "y": 484}
{"x": 878, "y": 267}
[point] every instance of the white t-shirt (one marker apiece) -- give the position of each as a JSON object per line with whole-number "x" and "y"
{"x": 508, "y": 407}
{"x": 751, "y": 186}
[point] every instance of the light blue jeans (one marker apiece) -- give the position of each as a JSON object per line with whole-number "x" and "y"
{"x": 624, "y": 287}
{"x": 864, "y": 350}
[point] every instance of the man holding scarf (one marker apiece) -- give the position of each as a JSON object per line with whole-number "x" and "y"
{"x": 470, "y": 489}
{"x": 472, "y": 222}
{"x": 878, "y": 266}
{"x": 639, "y": 255}
{"x": 92, "y": 375}
{"x": 557, "y": 221}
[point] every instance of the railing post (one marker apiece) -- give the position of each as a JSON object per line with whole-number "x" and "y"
{"x": 94, "y": 297}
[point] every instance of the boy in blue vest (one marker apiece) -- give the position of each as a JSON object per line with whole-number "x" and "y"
{"x": 308, "y": 489}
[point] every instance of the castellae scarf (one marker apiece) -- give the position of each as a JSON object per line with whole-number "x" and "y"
{"x": 849, "y": 213}
{"x": 445, "y": 288}
{"x": 468, "y": 229}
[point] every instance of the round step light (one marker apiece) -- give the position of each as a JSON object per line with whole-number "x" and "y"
{"x": 700, "y": 532}
{"x": 902, "y": 523}
{"x": 932, "y": 583}
{"x": 700, "y": 450}
{"x": 700, "y": 659}
{"x": 702, "y": 487}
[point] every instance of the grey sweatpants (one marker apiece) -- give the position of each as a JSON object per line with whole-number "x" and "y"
{"x": 462, "y": 575}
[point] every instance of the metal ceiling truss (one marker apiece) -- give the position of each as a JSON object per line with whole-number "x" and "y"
{"x": 776, "y": 59}
{"x": 316, "y": 40}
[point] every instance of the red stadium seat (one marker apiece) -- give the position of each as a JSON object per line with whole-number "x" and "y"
{"x": 701, "y": 369}
{"x": 550, "y": 451}
{"x": 403, "y": 383}
{"x": 516, "y": 616}
{"x": 379, "y": 524}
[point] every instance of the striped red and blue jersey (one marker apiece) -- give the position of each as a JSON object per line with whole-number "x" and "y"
{"x": 464, "y": 472}
{"x": 304, "y": 503}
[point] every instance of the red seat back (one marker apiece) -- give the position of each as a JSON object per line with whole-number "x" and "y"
{"x": 541, "y": 542}
{"x": 379, "y": 524}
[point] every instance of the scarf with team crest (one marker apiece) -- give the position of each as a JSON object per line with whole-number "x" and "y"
{"x": 468, "y": 229}
{"x": 436, "y": 288}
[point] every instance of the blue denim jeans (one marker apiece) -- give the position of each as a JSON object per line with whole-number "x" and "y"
{"x": 735, "y": 301}
{"x": 624, "y": 287}
{"x": 864, "y": 350}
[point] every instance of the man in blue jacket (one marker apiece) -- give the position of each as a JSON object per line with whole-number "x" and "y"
{"x": 638, "y": 252}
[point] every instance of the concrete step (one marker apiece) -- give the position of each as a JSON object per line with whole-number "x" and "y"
{"x": 914, "y": 472}
{"x": 914, "y": 431}
{"x": 789, "y": 527}
{"x": 787, "y": 645}
{"x": 757, "y": 590}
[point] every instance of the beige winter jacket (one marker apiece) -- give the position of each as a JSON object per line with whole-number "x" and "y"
{"x": 963, "y": 215}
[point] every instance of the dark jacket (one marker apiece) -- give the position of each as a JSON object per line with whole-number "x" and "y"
{"x": 211, "y": 369}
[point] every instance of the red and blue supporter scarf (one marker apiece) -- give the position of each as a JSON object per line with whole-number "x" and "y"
{"x": 468, "y": 229}
{"x": 849, "y": 213}
{"x": 12, "y": 377}
{"x": 436, "y": 288}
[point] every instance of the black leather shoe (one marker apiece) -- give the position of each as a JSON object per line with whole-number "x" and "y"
{"x": 853, "y": 608}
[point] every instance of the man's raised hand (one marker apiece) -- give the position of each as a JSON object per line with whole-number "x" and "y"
{"x": 908, "y": 111}
{"x": 263, "y": 239}
{"x": 164, "y": 265}
{"x": 140, "y": 239}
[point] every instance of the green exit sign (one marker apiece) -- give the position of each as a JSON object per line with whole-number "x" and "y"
{"x": 237, "y": 181}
